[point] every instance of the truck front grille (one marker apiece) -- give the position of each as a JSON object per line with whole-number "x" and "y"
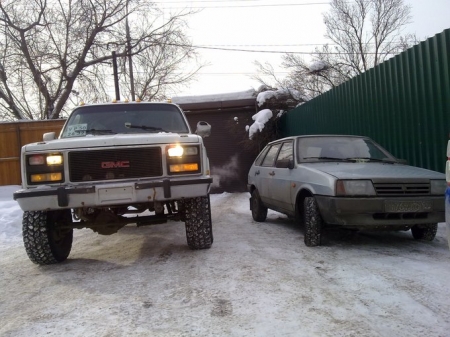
{"x": 115, "y": 164}
{"x": 402, "y": 189}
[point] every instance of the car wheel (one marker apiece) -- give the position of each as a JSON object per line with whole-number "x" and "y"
{"x": 45, "y": 242}
{"x": 198, "y": 225}
{"x": 425, "y": 232}
{"x": 313, "y": 222}
{"x": 259, "y": 211}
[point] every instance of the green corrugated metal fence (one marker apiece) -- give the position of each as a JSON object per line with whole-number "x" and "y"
{"x": 403, "y": 104}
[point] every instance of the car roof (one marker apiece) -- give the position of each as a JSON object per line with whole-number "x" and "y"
{"x": 318, "y": 135}
{"x": 125, "y": 103}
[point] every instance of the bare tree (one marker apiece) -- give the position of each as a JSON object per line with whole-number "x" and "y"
{"x": 362, "y": 34}
{"x": 56, "y": 51}
{"x": 159, "y": 71}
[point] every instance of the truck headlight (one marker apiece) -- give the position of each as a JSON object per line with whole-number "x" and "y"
{"x": 55, "y": 159}
{"x": 179, "y": 151}
{"x": 354, "y": 188}
{"x": 49, "y": 159}
{"x": 45, "y": 168}
{"x": 183, "y": 159}
{"x": 438, "y": 187}
{"x": 175, "y": 151}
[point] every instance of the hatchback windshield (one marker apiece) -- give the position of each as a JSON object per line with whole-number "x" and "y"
{"x": 121, "y": 118}
{"x": 340, "y": 148}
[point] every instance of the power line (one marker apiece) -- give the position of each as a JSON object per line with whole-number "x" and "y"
{"x": 214, "y": 1}
{"x": 280, "y": 52}
{"x": 251, "y": 6}
{"x": 268, "y": 45}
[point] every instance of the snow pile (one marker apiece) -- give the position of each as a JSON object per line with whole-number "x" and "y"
{"x": 260, "y": 118}
{"x": 10, "y": 215}
{"x": 277, "y": 94}
{"x": 317, "y": 66}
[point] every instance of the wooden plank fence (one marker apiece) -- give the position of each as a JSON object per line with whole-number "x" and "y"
{"x": 13, "y": 136}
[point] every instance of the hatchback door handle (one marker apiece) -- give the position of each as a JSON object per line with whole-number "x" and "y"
{"x": 272, "y": 173}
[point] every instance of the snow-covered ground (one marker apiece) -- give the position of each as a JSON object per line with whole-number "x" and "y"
{"x": 258, "y": 279}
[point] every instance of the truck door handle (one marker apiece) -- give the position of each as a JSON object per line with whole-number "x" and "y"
{"x": 256, "y": 173}
{"x": 272, "y": 173}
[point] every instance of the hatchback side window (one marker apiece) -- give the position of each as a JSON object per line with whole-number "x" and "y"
{"x": 269, "y": 160}
{"x": 261, "y": 156}
{"x": 286, "y": 151}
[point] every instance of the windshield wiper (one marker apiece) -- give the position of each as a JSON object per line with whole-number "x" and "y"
{"x": 373, "y": 159}
{"x": 329, "y": 158}
{"x": 144, "y": 127}
{"x": 100, "y": 131}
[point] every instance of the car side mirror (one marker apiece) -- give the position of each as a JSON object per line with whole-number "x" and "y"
{"x": 203, "y": 129}
{"x": 285, "y": 163}
{"x": 48, "y": 136}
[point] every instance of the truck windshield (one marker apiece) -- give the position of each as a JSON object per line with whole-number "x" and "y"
{"x": 124, "y": 118}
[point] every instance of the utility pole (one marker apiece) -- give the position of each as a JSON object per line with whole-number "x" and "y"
{"x": 116, "y": 76}
{"x": 130, "y": 62}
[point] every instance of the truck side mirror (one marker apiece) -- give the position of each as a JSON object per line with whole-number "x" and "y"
{"x": 48, "y": 136}
{"x": 203, "y": 129}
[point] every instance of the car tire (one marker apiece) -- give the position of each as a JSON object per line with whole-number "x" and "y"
{"x": 313, "y": 222}
{"x": 259, "y": 211}
{"x": 198, "y": 224}
{"x": 45, "y": 242}
{"x": 425, "y": 232}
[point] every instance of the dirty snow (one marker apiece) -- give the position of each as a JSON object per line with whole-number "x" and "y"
{"x": 258, "y": 279}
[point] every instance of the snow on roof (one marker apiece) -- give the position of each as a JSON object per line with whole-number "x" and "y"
{"x": 251, "y": 93}
{"x": 266, "y": 95}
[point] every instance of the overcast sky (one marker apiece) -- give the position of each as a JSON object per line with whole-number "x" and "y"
{"x": 270, "y": 25}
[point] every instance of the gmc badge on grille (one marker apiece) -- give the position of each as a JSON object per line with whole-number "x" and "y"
{"x": 115, "y": 164}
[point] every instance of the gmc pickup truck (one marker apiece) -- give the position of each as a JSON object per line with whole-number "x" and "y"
{"x": 112, "y": 165}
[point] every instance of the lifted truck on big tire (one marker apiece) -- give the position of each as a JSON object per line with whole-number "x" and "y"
{"x": 112, "y": 165}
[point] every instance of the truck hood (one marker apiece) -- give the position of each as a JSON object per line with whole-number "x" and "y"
{"x": 112, "y": 140}
{"x": 373, "y": 170}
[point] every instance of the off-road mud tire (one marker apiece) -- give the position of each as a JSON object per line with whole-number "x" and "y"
{"x": 313, "y": 222}
{"x": 425, "y": 232}
{"x": 259, "y": 211}
{"x": 198, "y": 225}
{"x": 44, "y": 242}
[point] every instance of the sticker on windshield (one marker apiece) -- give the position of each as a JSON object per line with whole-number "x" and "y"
{"x": 76, "y": 130}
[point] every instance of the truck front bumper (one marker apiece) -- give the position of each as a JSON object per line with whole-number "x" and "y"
{"x": 110, "y": 194}
{"x": 380, "y": 212}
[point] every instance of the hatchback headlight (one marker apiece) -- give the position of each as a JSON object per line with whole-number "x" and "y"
{"x": 438, "y": 187}
{"x": 354, "y": 188}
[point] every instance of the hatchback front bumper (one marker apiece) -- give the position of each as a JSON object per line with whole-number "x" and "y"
{"x": 366, "y": 212}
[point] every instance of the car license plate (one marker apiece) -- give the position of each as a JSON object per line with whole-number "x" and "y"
{"x": 115, "y": 194}
{"x": 407, "y": 206}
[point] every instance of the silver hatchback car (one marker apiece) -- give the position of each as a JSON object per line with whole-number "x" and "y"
{"x": 348, "y": 181}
